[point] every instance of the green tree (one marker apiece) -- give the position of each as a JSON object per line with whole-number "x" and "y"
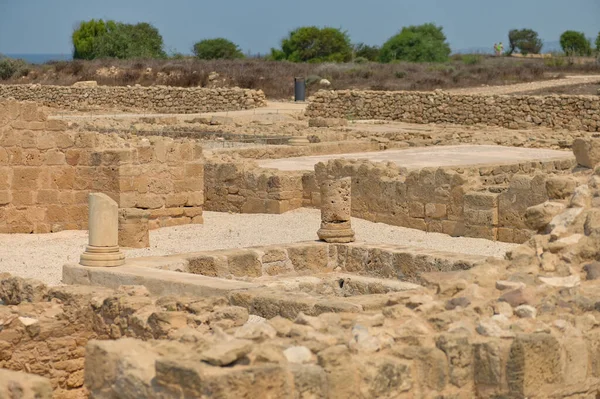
{"x": 219, "y": 48}
{"x": 129, "y": 41}
{"x": 370, "y": 53}
{"x": 526, "y": 41}
{"x": 421, "y": 43}
{"x": 598, "y": 43}
{"x": 84, "y": 37}
{"x": 312, "y": 44}
{"x": 575, "y": 43}
{"x": 110, "y": 39}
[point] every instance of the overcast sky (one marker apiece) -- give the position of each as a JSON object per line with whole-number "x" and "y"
{"x": 45, "y": 26}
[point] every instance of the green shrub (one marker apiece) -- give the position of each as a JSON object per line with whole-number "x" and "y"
{"x": 575, "y": 43}
{"x": 423, "y": 43}
{"x": 554, "y": 62}
{"x": 472, "y": 59}
{"x": 598, "y": 43}
{"x": 10, "y": 67}
{"x": 219, "y": 48}
{"x": 400, "y": 74}
{"x": 360, "y": 60}
{"x": 312, "y": 44}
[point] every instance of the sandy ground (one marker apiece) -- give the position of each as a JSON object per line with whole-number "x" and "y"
{"x": 41, "y": 256}
{"x": 520, "y": 87}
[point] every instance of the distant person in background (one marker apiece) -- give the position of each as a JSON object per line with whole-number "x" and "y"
{"x": 496, "y": 48}
{"x": 500, "y": 48}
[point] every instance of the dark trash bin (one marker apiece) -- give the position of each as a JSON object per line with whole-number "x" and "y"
{"x": 299, "y": 89}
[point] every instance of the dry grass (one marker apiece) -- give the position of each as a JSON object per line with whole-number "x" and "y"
{"x": 276, "y": 78}
{"x": 572, "y": 90}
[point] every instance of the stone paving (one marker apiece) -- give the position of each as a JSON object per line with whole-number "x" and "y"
{"x": 415, "y": 158}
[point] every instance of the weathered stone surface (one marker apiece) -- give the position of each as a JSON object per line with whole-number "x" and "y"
{"x": 587, "y": 152}
{"x": 298, "y": 354}
{"x": 537, "y": 217}
{"x": 24, "y": 386}
{"x": 226, "y": 353}
{"x": 534, "y": 361}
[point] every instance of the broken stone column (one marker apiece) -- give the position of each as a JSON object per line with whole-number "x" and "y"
{"x": 103, "y": 249}
{"x": 335, "y": 211}
{"x": 133, "y": 228}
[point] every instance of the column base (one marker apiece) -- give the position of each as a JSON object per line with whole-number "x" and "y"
{"x": 102, "y": 256}
{"x": 298, "y": 141}
{"x": 336, "y": 233}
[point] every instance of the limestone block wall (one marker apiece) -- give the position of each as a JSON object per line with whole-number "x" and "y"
{"x": 163, "y": 99}
{"x": 165, "y": 177}
{"x": 47, "y": 172}
{"x": 471, "y": 201}
{"x": 573, "y": 112}
{"x": 242, "y": 187}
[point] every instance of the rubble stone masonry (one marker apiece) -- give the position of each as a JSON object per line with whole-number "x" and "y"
{"x": 155, "y": 98}
{"x": 572, "y": 112}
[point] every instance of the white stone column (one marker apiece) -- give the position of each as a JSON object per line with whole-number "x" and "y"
{"x": 335, "y": 211}
{"x": 103, "y": 249}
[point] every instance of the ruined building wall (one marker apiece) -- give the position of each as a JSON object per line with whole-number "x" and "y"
{"x": 47, "y": 172}
{"x": 574, "y": 112}
{"x": 481, "y": 202}
{"x": 242, "y": 187}
{"x": 164, "y": 99}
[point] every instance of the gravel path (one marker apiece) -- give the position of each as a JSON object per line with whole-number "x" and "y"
{"x": 41, "y": 256}
{"x": 520, "y": 87}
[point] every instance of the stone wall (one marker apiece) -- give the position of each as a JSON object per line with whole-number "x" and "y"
{"x": 47, "y": 171}
{"x": 161, "y": 99}
{"x": 573, "y": 112}
{"x": 242, "y": 187}
{"x": 482, "y": 202}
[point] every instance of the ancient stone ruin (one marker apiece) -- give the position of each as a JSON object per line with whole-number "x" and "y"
{"x": 344, "y": 313}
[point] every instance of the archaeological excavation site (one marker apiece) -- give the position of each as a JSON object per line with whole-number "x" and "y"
{"x": 164, "y": 242}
